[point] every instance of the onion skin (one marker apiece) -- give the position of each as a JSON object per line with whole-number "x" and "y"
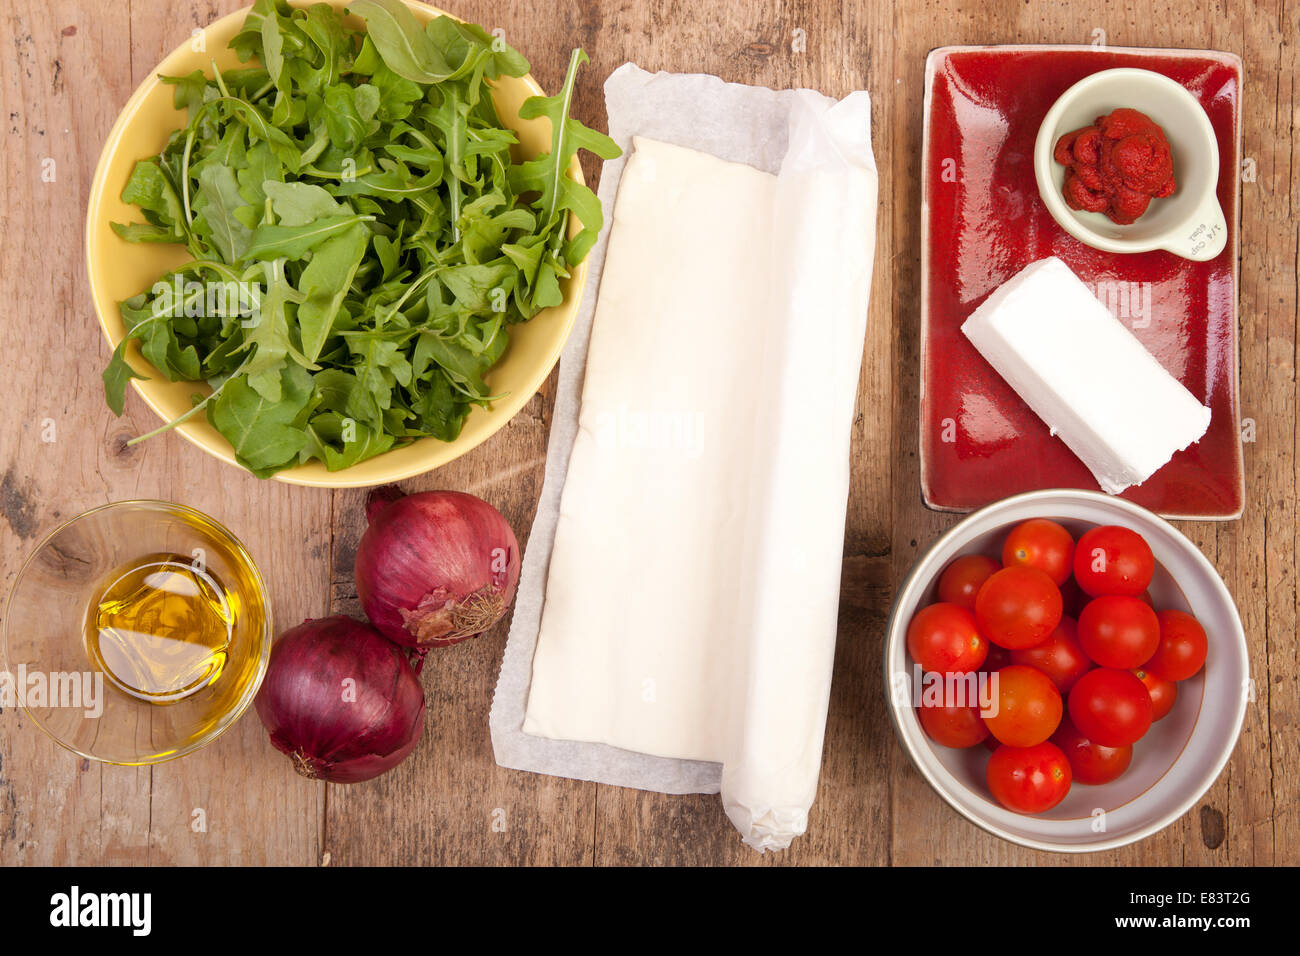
{"x": 303, "y": 700}
{"x": 435, "y": 568}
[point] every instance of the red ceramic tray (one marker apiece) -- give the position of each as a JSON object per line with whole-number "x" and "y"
{"x": 982, "y": 221}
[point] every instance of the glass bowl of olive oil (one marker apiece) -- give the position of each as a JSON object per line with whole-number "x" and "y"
{"x": 136, "y": 632}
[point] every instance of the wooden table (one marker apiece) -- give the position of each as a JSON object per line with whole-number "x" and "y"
{"x": 67, "y": 69}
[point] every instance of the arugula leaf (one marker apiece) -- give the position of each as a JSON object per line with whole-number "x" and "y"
{"x": 190, "y": 90}
{"x": 262, "y": 168}
{"x": 150, "y": 189}
{"x": 397, "y": 36}
{"x": 145, "y": 232}
{"x": 273, "y": 51}
{"x": 271, "y": 334}
{"x": 396, "y": 93}
{"x": 477, "y": 288}
{"x": 248, "y": 41}
{"x": 294, "y": 242}
{"x": 441, "y": 410}
{"x": 324, "y": 283}
{"x": 324, "y": 29}
{"x": 339, "y": 390}
{"x": 219, "y": 203}
{"x": 471, "y": 47}
{"x": 259, "y": 429}
{"x": 344, "y": 119}
{"x": 296, "y": 204}
{"x": 341, "y": 442}
{"x": 116, "y": 375}
{"x": 546, "y": 175}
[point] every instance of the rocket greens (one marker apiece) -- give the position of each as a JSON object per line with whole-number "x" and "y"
{"x": 362, "y": 239}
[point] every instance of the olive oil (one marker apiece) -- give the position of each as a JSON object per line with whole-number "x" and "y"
{"x": 161, "y": 629}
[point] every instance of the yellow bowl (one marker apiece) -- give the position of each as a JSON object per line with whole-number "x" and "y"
{"x": 119, "y": 270}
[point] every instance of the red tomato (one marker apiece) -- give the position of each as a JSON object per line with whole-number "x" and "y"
{"x": 1072, "y": 598}
{"x": 1182, "y": 647}
{"x": 1025, "y": 708}
{"x": 943, "y": 639}
{"x": 999, "y": 657}
{"x": 1118, "y": 631}
{"x": 1042, "y": 544}
{"x": 1110, "y": 707}
{"x": 961, "y": 579}
{"x": 1060, "y": 657}
{"x": 1163, "y": 693}
{"x": 953, "y": 726}
{"x": 1029, "y": 779}
{"x": 1113, "y": 560}
{"x": 1018, "y": 607}
{"x": 1091, "y": 763}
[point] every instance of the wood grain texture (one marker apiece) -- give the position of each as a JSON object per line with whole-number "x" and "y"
{"x": 68, "y": 67}
{"x": 74, "y": 69}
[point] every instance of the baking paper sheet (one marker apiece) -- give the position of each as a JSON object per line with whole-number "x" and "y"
{"x": 825, "y": 219}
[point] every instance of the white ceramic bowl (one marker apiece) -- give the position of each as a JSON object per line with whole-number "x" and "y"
{"x": 1188, "y": 223}
{"x": 1179, "y": 758}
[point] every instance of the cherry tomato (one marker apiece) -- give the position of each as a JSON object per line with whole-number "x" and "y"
{"x": 1029, "y": 779}
{"x": 1118, "y": 631}
{"x": 1072, "y": 598}
{"x": 1113, "y": 560}
{"x": 943, "y": 639}
{"x": 1043, "y": 544}
{"x": 1025, "y": 708}
{"x": 953, "y": 726}
{"x": 1060, "y": 657}
{"x": 1110, "y": 707}
{"x": 961, "y": 579}
{"x": 1163, "y": 693}
{"x": 999, "y": 657}
{"x": 1018, "y": 607}
{"x": 1182, "y": 647}
{"x": 1091, "y": 763}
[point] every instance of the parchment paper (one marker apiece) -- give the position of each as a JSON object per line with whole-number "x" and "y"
{"x": 773, "y": 777}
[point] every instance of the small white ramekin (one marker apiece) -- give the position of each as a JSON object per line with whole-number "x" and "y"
{"x": 1188, "y": 223}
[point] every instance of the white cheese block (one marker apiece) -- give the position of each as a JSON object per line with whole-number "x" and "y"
{"x": 1085, "y": 374}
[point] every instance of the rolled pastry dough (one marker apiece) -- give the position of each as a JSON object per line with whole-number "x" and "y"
{"x": 692, "y": 596}
{"x": 639, "y": 644}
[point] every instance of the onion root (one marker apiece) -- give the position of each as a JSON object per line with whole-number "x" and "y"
{"x": 438, "y": 621}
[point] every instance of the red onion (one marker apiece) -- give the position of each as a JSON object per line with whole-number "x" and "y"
{"x": 435, "y": 568}
{"x": 341, "y": 700}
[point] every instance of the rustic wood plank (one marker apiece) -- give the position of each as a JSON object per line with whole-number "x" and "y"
{"x": 1259, "y": 807}
{"x": 451, "y": 803}
{"x": 73, "y": 71}
{"x": 924, "y": 830}
{"x": 790, "y": 45}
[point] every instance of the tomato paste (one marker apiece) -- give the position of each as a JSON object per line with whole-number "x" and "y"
{"x": 1116, "y": 166}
